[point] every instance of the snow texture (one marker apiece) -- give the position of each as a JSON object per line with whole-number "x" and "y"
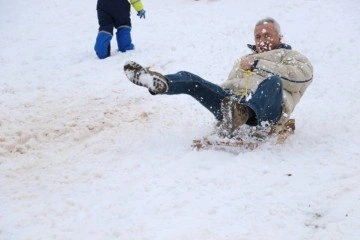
{"x": 86, "y": 154}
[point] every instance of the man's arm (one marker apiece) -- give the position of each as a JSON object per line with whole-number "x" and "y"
{"x": 292, "y": 66}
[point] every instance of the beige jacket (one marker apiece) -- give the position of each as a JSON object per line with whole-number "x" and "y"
{"x": 294, "y": 69}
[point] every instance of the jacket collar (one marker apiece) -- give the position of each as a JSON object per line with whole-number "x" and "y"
{"x": 281, "y": 45}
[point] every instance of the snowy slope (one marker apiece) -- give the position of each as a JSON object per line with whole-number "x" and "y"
{"x": 85, "y": 154}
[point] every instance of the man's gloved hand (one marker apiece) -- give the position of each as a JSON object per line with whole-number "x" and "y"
{"x": 141, "y": 14}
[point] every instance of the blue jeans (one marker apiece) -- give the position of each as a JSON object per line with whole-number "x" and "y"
{"x": 266, "y": 101}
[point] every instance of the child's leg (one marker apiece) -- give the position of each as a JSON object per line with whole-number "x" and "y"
{"x": 123, "y": 38}
{"x": 102, "y": 44}
{"x": 103, "y": 39}
{"x": 122, "y": 22}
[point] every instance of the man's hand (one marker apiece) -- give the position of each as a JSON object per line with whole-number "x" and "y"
{"x": 246, "y": 62}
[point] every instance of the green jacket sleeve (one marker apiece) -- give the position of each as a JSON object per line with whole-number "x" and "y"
{"x": 137, "y": 5}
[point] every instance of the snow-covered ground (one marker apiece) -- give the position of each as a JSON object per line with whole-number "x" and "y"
{"x": 85, "y": 154}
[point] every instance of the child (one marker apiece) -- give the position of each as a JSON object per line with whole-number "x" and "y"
{"x": 115, "y": 14}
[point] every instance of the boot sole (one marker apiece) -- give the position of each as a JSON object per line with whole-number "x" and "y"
{"x": 141, "y": 76}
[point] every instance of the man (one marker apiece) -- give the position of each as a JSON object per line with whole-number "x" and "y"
{"x": 263, "y": 87}
{"x": 115, "y": 14}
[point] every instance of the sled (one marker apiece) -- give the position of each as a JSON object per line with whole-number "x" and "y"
{"x": 277, "y": 134}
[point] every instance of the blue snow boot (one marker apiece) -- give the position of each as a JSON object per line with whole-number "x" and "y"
{"x": 102, "y": 44}
{"x": 123, "y": 38}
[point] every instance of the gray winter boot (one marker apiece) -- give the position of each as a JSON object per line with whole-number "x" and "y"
{"x": 235, "y": 114}
{"x": 154, "y": 81}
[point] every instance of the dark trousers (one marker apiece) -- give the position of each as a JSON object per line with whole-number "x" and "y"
{"x": 265, "y": 101}
{"x": 113, "y": 14}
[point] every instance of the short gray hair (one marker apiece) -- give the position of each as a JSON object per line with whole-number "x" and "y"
{"x": 270, "y": 20}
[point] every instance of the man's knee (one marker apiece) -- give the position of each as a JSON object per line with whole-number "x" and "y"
{"x": 123, "y": 37}
{"x": 187, "y": 75}
{"x": 184, "y": 73}
{"x": 275, "y": 81}
{"x": 269, "y": 85}
{"x": 102, "y": 44}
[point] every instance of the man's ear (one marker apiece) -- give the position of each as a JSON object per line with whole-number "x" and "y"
{"x": 280, "y": 37}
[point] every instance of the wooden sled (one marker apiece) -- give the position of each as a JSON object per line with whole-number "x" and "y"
{"x": 279, "y": 132}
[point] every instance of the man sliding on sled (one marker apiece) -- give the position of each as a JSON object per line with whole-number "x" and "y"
{"x": 263, "y": 87}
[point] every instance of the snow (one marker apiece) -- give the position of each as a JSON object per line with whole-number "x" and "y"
{"x": 86, "y": 154}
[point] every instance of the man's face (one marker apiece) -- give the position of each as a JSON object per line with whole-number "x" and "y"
{"x": 266, "y": 37}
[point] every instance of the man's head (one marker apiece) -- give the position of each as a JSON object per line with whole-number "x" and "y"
{"x": 267, "y": 35}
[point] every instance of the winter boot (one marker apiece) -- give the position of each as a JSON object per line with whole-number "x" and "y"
{"x": 235, "y": 114}
{"x": 102, "y": 44}
{"x": 154, "y": 81}
{"x": 123, "y": 38}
